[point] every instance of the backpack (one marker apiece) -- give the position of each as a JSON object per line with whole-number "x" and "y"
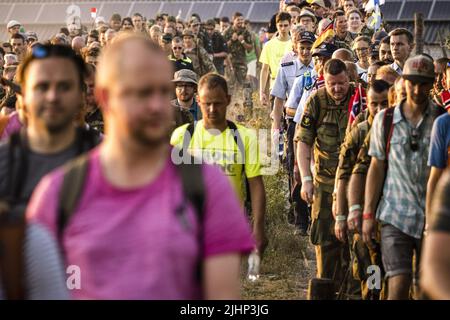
{"x": 238, "y": 140}
{"x": 12, "y": 227}
{"x": 191, "y": 176}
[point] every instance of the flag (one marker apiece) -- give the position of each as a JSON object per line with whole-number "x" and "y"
{"x": 445, "y": 96}
{"x": 328, "y": 32}
{"x": 93, "y": 13}
{"x": 320, "y": 82}
{"x": 307, "y": 80}
{"x": 371, "y": 4}
{"x": 357, "y": 104}
{"x": 374, "y": 21}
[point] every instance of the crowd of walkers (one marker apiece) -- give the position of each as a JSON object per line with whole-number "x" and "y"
{"x": 122, "y": 175}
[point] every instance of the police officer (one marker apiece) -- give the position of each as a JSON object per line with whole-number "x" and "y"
{"x": 323, "y": 126}
{"x": 288, "y": 72}
{"x": 308, "y": 82}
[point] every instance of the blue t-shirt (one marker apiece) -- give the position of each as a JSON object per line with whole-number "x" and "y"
{"x": 440, "y": 142}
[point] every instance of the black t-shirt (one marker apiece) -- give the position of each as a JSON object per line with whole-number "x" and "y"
{"x": 441, "y": 204}
{"x": 95, "y": 120}
{"x": 218, "y": 44}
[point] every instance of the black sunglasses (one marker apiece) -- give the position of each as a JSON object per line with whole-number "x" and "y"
{"x": 414, "y": 141}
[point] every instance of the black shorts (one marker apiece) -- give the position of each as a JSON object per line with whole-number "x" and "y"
{"x": 397, "y": 251}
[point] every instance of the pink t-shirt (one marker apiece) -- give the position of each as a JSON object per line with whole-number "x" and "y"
{"x": 130, "y": 244}
{"x": 13, "y": 126}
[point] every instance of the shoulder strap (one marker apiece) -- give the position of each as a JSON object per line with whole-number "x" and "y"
{"x": 70, "y": 192}
{"x": 388, "y": 129}
{"x": 323, "y": 105}
{"x": 194, "y": 191}
{"x": 188, "y": 134}
{"x": 18, "y": 167}
{"x": 238, "y": 140}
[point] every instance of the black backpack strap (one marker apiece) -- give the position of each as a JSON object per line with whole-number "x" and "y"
{"x": 388, "y": 129}
{"x": 238, "y": 140}
{"x": 18, "y": 169}
{"x": 71, "y": 190}
{"x": 188, "y": 134}
{"x": 194, "y": 191}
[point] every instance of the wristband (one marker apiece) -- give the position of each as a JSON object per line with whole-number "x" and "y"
{"x": 341, "y": 217}
{"x": 306, "y": 179}
{"x": 354, "y": 207}
{"x": 367, "y": 216}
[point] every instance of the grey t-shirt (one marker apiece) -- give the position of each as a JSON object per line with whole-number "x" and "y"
{"x": 38, "y": 165}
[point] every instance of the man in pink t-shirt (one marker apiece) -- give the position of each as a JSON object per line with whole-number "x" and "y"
{"x": 126, "y": 236}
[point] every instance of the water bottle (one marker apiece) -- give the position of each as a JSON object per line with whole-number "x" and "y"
{"x": 254, "y": 261}
{"x": 281, "y": 144}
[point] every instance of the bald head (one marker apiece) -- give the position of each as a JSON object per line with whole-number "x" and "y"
{"x": 78, "y": 43}
{"x": 323, "y": 24}
{"x": 134, "y": 88}
{"x": 343, "y": 54}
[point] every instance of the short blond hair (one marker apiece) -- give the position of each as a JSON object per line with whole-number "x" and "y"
{"x": 386, "y": 71}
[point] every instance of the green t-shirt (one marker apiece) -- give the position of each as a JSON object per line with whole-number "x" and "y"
{"x": 221, "y": 149}
{"x": 250, "y": 56}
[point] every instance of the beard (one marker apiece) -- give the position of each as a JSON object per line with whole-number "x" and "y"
{"x": 140, "y": 134}
{"x": 64, "y": 118}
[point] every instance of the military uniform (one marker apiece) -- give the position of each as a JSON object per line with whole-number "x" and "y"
{"x": 364, "y": 256}
{"x": 201, "y": 61}
{"x": 237, "y": 52}
{"x": 346, "y": 43}
{"x": 323, "y": 126}
{"x": 363, "y": 159}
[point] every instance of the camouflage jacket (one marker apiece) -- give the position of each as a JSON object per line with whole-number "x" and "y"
{"x": 201, "y": 61}
{"x": 236, "y": 49}
{"x": 353, "y": 142}
{"x": 323, "y": 126}
{"x": 347, "y": 42}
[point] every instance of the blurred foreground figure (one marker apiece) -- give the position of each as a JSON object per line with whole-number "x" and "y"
{"x": 436, "y": 254}
{"x": 51, "y": 80}
{"x": 140, "y": 226}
